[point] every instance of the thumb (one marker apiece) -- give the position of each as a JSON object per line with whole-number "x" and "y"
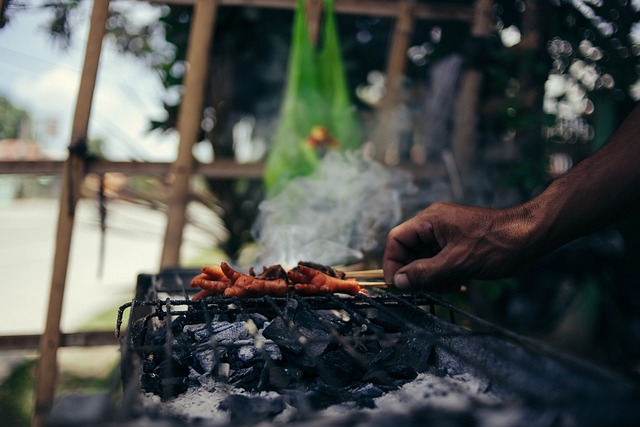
{"x": 435, "y": 274}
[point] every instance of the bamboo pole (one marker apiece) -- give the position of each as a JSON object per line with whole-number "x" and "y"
{"x": 387, "y": 138}
{"x": 200, "y": 35}
{"x": 313, "y": 11}
{"x": 73, "y": 174}
{"x": 464, "y": 140}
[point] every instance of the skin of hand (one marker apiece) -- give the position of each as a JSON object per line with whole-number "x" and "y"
{"x": 447, "y": 244}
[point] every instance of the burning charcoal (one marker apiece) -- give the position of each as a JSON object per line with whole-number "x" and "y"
{"x": 206, "y": 358}
{"x": 287, "y": 338}
{"x": 246, "y": 378}
{"x": 149, "y": 364}
{"x": 363, "y": 395}
{"x": 281, "y": 377}
{"x": 248, "y": 353}
{"x": 258, "y": 319}
{"x": 368, "y": 390}
{"x": 321, "y": 396}
{"x": 163, "y": 387}
{"x": 228, "y": 333}
{"x": 171, "y": 368}
{"x": 271, "y": 349}
{"x": 402, "y": 371}
{"x": 197, "y": 332}
{"x": 378, "y": 376}
{"x": 251, "y": 410}
{"x": 339, "y": 368}
{"x": 412, "y": 351}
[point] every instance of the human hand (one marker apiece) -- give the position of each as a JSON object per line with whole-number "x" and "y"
{"x": 447, "y": 244}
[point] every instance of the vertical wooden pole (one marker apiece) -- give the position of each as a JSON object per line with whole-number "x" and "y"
{"x": 464, "y": 131}
{"x": 73, "y": 174}
{"x": 200, "y": 36}
{"x": 313, "y": 11}
{"x": 387, "y": 139}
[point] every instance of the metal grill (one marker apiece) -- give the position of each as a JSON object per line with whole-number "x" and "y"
{"x": 424, "y": 336}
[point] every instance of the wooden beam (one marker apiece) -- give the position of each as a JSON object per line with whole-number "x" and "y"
{"x": 73, "y": 174}
{"x": 384, "y": 9}
{"x": 219, "y": 169}
{"x": 75, "y": 339}
{"x": 200, "y": 36}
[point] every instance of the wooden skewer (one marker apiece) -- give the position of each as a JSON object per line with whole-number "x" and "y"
{"x": 365, "y": 274}
{"x": 374, "y": 284}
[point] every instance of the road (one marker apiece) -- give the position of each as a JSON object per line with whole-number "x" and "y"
{"x": 133, "y": 245}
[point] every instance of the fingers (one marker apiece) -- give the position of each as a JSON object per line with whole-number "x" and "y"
{"x": 439, "y": 273}
{"x": 407, "y": 242}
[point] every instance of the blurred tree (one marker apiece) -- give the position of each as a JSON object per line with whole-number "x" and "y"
{"x": 12, "y": 119}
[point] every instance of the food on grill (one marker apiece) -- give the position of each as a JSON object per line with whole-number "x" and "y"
{"x": 212, "y": 281}
{"x": 245, "y": 285}
{"x": 309, "y": 281}
{"x": 307, "y": 278}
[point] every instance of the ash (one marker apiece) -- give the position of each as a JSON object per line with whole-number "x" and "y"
{"x": 461, "y": 399}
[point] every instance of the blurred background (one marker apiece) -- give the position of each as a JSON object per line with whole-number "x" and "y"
{"x": 548, "y": 81}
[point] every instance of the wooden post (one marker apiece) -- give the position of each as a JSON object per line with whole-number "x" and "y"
{"x": 73, "y": 173}
{"x": 200, "y": 35}
{"x": 313, "y": 11}
{"x": 387, "y": 140}
{"x": 464, "y": 131}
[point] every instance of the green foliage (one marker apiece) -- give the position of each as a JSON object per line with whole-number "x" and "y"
{"x": 16, "y": 396}
{"x": 11, "y": 119}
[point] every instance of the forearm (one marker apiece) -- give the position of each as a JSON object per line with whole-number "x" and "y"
{"x": 597, "y": 191}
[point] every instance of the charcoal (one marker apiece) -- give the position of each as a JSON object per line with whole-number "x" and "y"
{"x": 162, "y": 386}
{"x": 285, "y": 337}
{"x": 148, "y": 365}
{"x": 339, "y": 368}
{"x": 171, "y": 368}
{"x": 228, "y": 333}
{"x": 258, "y": 319}
{"x": 206, "y": 358}
{"x": 377, "y": 376}
{"x": 366, "y": 391}
{"x": 248, "y": 353}
{"x": 246, "y": 378}
{"x": 321, "y": 396}
{"x": 197, "y": 332}
{"x": 246, "y": 410}
{"x": 412, "y": 351}
{"x": 402, "y": 371}
{"x": 282, "y": 377}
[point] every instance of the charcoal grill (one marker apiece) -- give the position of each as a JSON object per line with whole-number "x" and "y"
{"x": 378, "y": 359}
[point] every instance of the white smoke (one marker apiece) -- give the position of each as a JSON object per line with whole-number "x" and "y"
{"x": 334, "y": 215}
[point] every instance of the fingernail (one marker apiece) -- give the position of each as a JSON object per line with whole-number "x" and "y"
{"x": 401, "y": 281}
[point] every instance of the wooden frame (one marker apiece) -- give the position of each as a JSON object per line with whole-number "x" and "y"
{"x": 200, "y": 38}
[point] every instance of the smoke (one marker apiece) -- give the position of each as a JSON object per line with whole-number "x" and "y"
{"x": 333, "y": 216}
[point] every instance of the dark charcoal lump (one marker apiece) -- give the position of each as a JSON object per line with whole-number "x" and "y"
{"x": 250, "y": 410}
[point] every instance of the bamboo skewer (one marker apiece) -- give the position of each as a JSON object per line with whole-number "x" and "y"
{"x": 374, "y": 284}
{"x": 365, "y": 274}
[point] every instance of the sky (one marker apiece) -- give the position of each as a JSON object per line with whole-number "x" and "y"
{"x": 40, "y": 77}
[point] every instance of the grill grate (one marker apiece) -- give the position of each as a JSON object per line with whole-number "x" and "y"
{"x": 419, "y": 333}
